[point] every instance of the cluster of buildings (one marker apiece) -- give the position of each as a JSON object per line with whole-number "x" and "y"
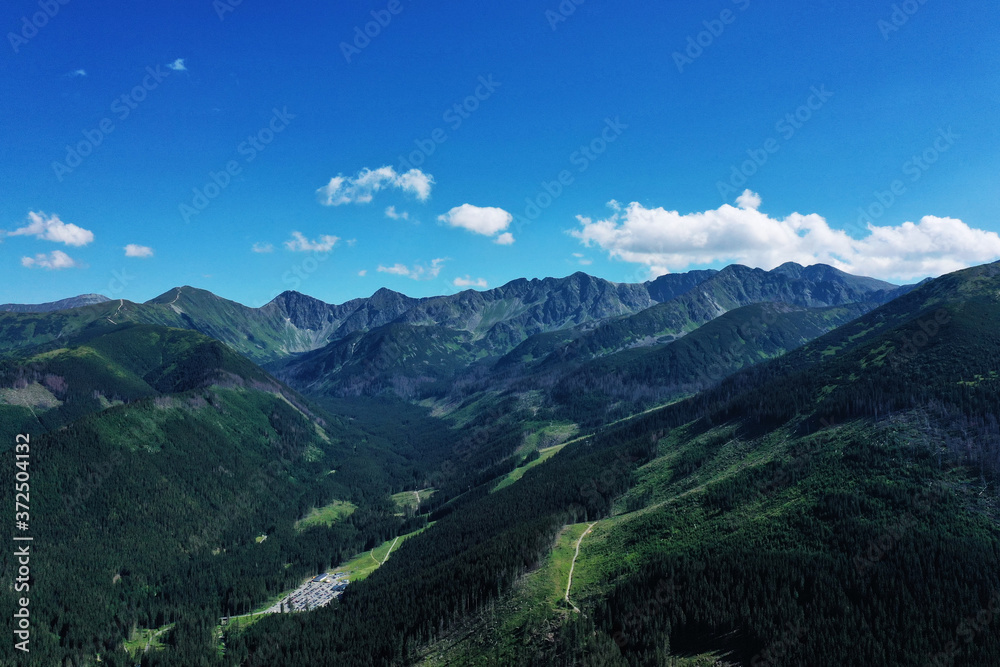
{"x": 317, "y": 592}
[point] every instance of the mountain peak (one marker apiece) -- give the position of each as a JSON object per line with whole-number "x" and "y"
{"x": 62, "y": 304}
{"x": 789, "y": 269}
{"x": 386, "y": 293}
{"x": 292, "y": 297}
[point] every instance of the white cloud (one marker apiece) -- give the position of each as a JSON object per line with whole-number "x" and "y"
{"x": 262, "y": 247}
{"x": 133, "y": 250}
{"x": 670, "y": 241}
{"x": 749, "y": 201}
{"x": 481, "y": 220}
{"x": 54, "y": 261}
{"x": 467, "y": 281}
{"x": 504, "y": 239}
{"x": 392, "y": 213}
{"x": 417, "y": 183}
{"x": 417, "y": 272}
{"x": 361, "y": 188}
{"x": 363, "y": 272}
{"x": 395, "y": 269}
{"x": 78, "y": 72}
{"x": 299, "y": 243}
{"x": 51, "y": 228}
{"x": 178, "y": 65}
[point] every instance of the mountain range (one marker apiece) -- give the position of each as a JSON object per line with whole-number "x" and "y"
{"x": 735, "y": 467}
{"x": 62, "y": 304}
{"x": 393, "y": 342}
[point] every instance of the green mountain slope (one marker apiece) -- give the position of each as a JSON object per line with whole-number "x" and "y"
{"x": 833, "y": 506}
{"x": 599, "y": 316}
{"x": 399, "y": 358}
{"x": 633, "y": 380}
{"x": 571, "y": 320}
{"x": 159, "y": 459}
{"x": 733, "y": 287}
{"x": 62, "y": 304}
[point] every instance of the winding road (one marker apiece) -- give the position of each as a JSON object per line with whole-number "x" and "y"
{"x": 115, "y": 314}
{"x": 569, "y": 581}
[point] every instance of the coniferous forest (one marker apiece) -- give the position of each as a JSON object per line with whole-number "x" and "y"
{"x": 832, "y": 505}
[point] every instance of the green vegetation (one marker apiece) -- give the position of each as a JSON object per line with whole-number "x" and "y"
{"x": 628, "y": 382}
{"x": 363, "y": 564}
{"x": 327, "y": 515}
{"x": 738, "y": 494}
{"x": 143, "y": 640}
{"x": 410, "y": 501}
{"x": 516, "y": 474}
{"x": 173, "y": 501}
{"x": 836, "y": 504}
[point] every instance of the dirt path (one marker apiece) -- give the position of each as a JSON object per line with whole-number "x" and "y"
{"x": 115, "y": 314}
{"x": 149, "y": 641}
{"x": 382, "y": 562}
{"x": 569, "y": 581}
{"x": 393, "y": 546}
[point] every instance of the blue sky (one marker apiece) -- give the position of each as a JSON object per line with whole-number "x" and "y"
{"x": 656, "y": 116}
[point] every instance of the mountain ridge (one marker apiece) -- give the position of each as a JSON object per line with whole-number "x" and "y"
{"x": 62, "y": 304}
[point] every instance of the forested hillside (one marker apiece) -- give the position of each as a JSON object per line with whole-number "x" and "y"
{"x": 756, "y": 526}
{"x": 167, "y": 474}
{"x": 746, "y": 520}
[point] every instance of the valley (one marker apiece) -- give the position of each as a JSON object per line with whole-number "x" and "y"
{"x": 596, "y": 482}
